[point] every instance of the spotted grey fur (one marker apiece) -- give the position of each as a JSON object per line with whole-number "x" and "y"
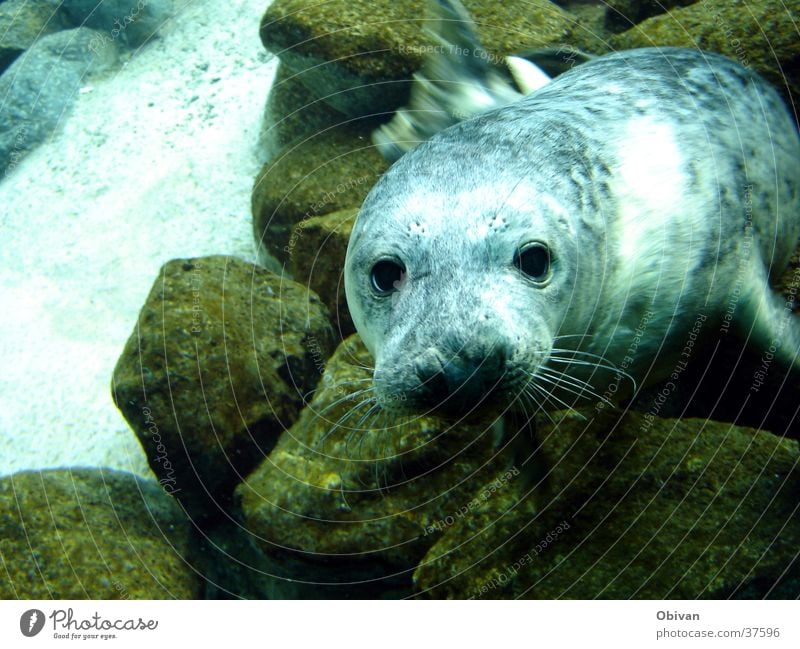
{"x": 665, "y": 182}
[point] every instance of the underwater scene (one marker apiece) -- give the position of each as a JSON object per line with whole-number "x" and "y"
{"x": 408, "y": 299}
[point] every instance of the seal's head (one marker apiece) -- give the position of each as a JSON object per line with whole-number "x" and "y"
{"x": 458, "y": 278}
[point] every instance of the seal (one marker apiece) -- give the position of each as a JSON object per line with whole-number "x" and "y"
{"x": 580, "y": 239}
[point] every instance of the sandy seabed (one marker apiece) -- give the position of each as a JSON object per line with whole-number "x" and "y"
{"x": 155, "y": 162}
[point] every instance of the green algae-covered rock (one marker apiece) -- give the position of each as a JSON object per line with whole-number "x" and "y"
{"x": 216, "y": 368}
{"x": 92, "y": 534}
{"x": 293, "y": 111}
{"x": 360, "y": 55}
{"x": 760, "y": 34}
{"x": 23, "y": 22}
{"x": 328, "y": 171}
{"x": 635, "y": 508}
{"x": 351, "y": 501}
{"x": 317, "y": 261}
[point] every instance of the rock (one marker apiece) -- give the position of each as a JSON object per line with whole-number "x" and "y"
{"x": 359, "y": 55}
{"x": 589, "y": 34}
{"x": 760, "y": 34}
{"x": 624, "y": 14}
{"x": 317, "y": 261}
{"x": 132, "y": 22}
{"x": 635, "y": 508}
{"x": 92, "y": 534}
{"x": 21, "y": 24}
{"x": 326, "y": 172}
{"x": 362, "y": 501}
{"x": 294, "y": 112}
{"x": 39, "y": 88}
{"x": 216, "y": 368}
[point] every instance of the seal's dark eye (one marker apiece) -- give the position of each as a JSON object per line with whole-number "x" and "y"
{"x": 386, "y": 276}
{"x": 533, "y": 260}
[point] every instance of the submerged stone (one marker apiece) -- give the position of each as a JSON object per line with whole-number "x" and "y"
{"x": 636, "y": 507}
{"x": 317, "y": 261}
{"x": 217, "y": 367}
{"x": 352, "y": 498}
{"x": 22, "y": 23}
{"x": 132, "y": 22}
{"x": 40, "y": 87}
{"x": 359, "y": 56}
{"x": 92, "y": 534}
{"x": 759, "y": 34}
{"x": 328, "y": 171}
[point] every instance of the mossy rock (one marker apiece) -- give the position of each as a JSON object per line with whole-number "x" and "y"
{"x": 636, "y": 507}
{"x": 215, "y": 370}
{"x": 317, "y": 261}
{"x": 759, "y": 34}
{"x": 325, "y": 172}
{"x": 92, "y": 534}
{"x": 359, "y": 56}
{"x": 352, "y": 498}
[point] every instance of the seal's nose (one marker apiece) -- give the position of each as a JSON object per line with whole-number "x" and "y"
{"x": 461, "y": 381}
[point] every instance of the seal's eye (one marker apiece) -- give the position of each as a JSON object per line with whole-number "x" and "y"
{"x": 533, "y": 260}
{"x": 386, "y": 276}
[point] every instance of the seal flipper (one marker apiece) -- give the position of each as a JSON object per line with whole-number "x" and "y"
{"x": 771, "y": 323}
{"x": 458, "y": 80}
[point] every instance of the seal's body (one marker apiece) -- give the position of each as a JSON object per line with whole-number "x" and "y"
{"x": 553, "y": 249}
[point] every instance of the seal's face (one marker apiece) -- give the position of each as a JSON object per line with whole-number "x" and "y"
{"x": 457, "y": 289}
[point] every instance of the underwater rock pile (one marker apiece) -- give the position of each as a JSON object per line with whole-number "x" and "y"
{"x": 92, "y": 534}
{"x": 575, "y": 514}
{"x": 275, "y": 451}
{"x": 676, "y": 509}
{"x": 346, "y": 503}
{"x": 50, "y": 50}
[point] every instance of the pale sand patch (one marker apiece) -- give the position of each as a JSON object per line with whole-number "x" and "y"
{"x": 155, "y": 162}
